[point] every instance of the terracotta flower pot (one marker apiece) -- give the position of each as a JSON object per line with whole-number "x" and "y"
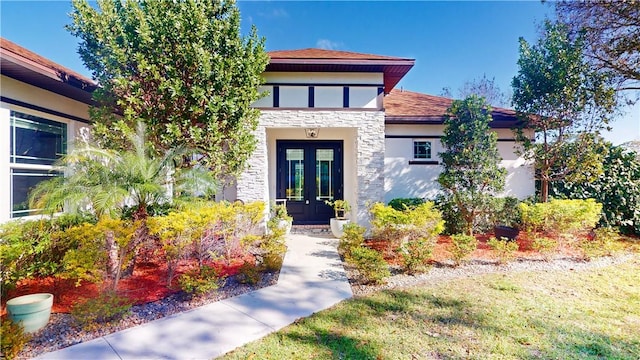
{"x": 32, "y": 311}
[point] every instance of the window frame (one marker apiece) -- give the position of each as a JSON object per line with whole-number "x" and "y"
{"x": 429, "y": 154}
{"x": 17, "y": 164}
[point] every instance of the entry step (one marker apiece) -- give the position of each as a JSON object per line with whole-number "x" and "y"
{"x": 310, "y": 229}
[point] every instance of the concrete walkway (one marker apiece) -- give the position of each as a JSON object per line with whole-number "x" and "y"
{"x": 312, "y": 279}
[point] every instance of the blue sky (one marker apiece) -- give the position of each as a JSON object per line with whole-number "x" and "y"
{"x": 452, "y": 41}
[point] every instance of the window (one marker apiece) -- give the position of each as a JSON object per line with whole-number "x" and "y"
{"x": 421, "y": 149}
{"x": 35, "y": 143}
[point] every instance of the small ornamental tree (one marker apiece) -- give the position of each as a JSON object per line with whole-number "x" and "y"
{"x": 182, "y": 67}
{"x": 565, "y": 102}
{"x": 471, "y": 174}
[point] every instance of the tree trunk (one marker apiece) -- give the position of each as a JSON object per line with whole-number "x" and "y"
{"x": 140, "y": 235}
{"x": 544, "y": 190}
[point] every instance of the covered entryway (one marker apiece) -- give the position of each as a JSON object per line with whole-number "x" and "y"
{"x": 308, "y": 174}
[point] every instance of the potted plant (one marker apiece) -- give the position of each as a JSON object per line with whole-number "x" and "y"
{"x": 32, "y": 311}
{"x": 341, "y": 209}
{"x": 281, "y": 217}
{"x": 507, "y": 219}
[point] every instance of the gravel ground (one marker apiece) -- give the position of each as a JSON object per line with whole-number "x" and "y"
{"x": 62, "y": 332}
{"x": 443, "y": 272}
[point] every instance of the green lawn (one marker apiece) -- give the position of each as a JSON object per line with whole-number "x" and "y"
{"x": 591, "y": 314}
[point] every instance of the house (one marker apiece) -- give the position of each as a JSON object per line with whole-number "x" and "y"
{"x": 42, "y": 107}
{"x": 332, "y": 126}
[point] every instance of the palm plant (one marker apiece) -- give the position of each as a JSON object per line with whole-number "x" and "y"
{"x": 106, "y": 181}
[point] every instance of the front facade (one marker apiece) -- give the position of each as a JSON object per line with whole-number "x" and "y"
{"x": 332, "y": 126}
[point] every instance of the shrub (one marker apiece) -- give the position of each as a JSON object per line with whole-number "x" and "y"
{"x": 562, "y": 216}
{"x": 249, "y": 273}
{"x": 401, "y": 204}
{"x": 108, "y": 306}
{"x": 424, "y": 221}
{"x": 12, "y": 338}
{"x": 370, "y": 264}
{"x": 206, "y": 230}
{"x": 617, "y": 189}
{"x": 102, "y": 252}
{"x": 604, "y": 242}
{"x": 36, "y": 247}
{"x": 453, "y": 221}
{"x": 272, "y": 247}
{"x": 544, "y": 245}
{"x": 505, "y": 249}
{"x": 506, "y": 211}
{"x": 201, "y": 280}
{"x": 416, "y": 253}
{"x": 462, "y": 246}
{"x": 352, "y": 237}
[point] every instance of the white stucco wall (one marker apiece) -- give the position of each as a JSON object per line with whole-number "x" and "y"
{"x": 404, "y": 180}
{"x": 29, "y": 94}
{"x": 363, "y": 136}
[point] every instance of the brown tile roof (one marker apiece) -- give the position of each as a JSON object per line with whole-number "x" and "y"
{"x": 320, "y": 60}
{"x": 407, "y": 107}
{"x": 312, "y": 53}
{"x": 10, "y": 48}
{"x": 26, "y": 66}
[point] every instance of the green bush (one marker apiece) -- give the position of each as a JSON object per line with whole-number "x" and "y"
{"x": 604, "y": 242}
{"x": 416, "y": 253}
{"x": 412, "y": 232}
{"x": 35, "y": 247}
{"x": 453, "y": 221}
{"x": 352, "y": 237}
{"x": 544, "y": 245}
{"x": 423, "y": 221}
{"x": 506, "y": 211}
{"x": 562, "y": 216}
{"x": 462, "y": 246}
{"x": 505, "y": 249}
{"x": 207, "y": 230}
{"x": 108, "y": 306}
{"x": 401, "y": 204}
{"x": 103, "y": 250}
{"x": 12, "y": 338}
{"x": 370, "y": 264}
{"x": 617, "y": 189}
{"x": 201, "y": 280}
{"x": 249, "y": 273}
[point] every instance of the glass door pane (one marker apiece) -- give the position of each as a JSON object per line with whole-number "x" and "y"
{"x": 294, "y": 174}
{"x": 324, "y": 174}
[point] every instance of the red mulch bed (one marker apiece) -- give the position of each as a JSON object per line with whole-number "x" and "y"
{"x": 483, "y": 252}
{"x": 147, "y": 284}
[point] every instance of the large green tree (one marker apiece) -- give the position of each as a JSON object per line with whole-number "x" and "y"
{"x": 182, "y": 67}
{"x": 471, "y": 176}
{"x": 558, "y": 95}
{"x": 611, "y": 31}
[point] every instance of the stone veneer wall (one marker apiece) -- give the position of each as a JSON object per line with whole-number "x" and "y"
{"x": 369, "y": 158}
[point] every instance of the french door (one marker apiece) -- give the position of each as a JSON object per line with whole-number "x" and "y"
{"x": 308, "y": 174}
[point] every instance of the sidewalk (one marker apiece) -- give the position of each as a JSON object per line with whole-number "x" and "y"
{"x": 312, "y": 279}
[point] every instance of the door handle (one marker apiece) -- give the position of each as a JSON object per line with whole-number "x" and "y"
{"x": 306, "y": 202}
